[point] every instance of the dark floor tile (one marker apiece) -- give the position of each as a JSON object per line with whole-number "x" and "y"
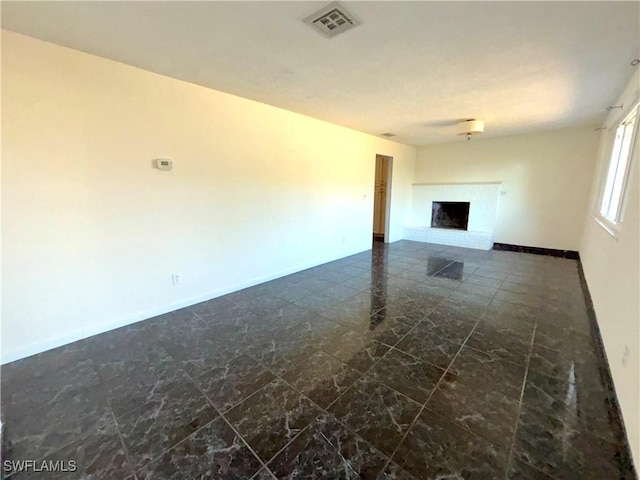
{"x": 264, "y": 474}
{"x": 424, "y": 299}
{"x": 522, "y": 288}
{"x": 357, "y": 283}
{"x": 519, "y": 328}
{"x": 407, "y": 374}
{"x": 518, "y": 298}
{"x": 441, "y": 287}
{"x": 357, "y": 312}
{"x": 471, "y": 301}
{"x": 322, "y": 378}
{"x": 499, "y": 345}
{"x": 129, "y": 363}
{"x": 429, "y": 347}
{"x": 325, "y": 449}
{"x": 509, "y": 311}
{"x": 198, "y": 354}
{"x": 449, "y": 328}
{"x": 561, "y": 337}
{"x": 559, "y": 449}
{"x": 293, "y": 292}
{"x": 523, "y": 471}
{"x": 283, "y": 320}
{"x": 489, "y": 273}
{"x": 384, "y": 328}
{"x": 436, "y": 448}
{"x": 581, "y": 401}
{"x": 272, "y": 417}
{"x": 451, "y": 310}
{"x": 216, "y": 305}
{"x": 316, "y": 302}
{"x": 286, "y": 350}
{"x": 340, "y": 292}
{"x": 101, "y": 456}
{"x": 20, "y": 398}
{"x": 265, "y": 304}
{"x": 492, "y": 283}
{"x": 214, "y": 451}
{"x": 73, "y": 418}
{"x": 356, "y": 350}
{"x": 158, "y": 425}
{"x": 481, "y": 410}
{"x": 140, "y": 389}
{"x": 15, "y": 374}
{"x": 410, "y": 312}
{"x": 377, "y": 413}
{"x": 317, "y": 285}
{"x": 561, "y": 363}
{"x": 125, "y": 342}
{"x": 229, "y": 384}
{"x": 394, "y": 472}
{"x": 484, "y": 372}
{"x": 238, "y": 331}
{"x": 471, "y": 288}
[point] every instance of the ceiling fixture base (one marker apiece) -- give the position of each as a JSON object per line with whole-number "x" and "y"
{"x": 470, "y": 127}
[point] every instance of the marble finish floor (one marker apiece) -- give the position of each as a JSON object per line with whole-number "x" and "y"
{"x": 409, "y": 361}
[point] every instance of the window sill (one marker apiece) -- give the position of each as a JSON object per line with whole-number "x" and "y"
{"x": 607, "y": 226}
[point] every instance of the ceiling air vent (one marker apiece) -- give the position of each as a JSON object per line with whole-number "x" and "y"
{"x": 333, "y": 19}
{"x": 388, "y": 134}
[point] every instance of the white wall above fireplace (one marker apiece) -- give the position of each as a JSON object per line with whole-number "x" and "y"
{"x": 483, "y": 199}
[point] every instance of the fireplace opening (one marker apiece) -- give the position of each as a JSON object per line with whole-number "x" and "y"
{"x": 450, "y": 215}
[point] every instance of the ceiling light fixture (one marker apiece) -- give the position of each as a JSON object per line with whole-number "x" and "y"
{"x": 470, "y": 127}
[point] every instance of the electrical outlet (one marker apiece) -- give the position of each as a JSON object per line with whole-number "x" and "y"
{"x": 503, "y": 193}
{"x": 176, "y": 278}
{"x": 625, "y": 355}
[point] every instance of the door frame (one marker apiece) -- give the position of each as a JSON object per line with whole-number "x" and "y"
{"x": 387, "y": 210}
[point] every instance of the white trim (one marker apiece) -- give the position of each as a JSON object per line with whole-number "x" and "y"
{"x": 33, "y": 349}
{"x": 609, "y": 227}
{"x": 607, "y": 224}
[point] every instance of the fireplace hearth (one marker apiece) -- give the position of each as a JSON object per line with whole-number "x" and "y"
{"x": 454, "y": 215}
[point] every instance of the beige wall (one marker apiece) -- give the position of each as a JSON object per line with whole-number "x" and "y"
{"x": 547, "y": 177}
{"x": 612, "y": 269}
{"x": 92, "y": 233}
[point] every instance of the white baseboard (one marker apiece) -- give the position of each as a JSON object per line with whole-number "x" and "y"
{"x": 19, "y": 353}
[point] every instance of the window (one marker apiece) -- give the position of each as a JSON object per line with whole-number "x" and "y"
{"x": 614, "y": 187}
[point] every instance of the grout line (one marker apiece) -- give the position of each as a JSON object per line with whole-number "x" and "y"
{"x": 122, "y": 442}
{"x": 524, "y": 384}
{"x": 446, "y": 371}
{"x": 324, "y": 411}
{"x": 221, "y": 415}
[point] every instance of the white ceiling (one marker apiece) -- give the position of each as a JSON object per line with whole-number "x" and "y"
{"x": 411, "y": 68}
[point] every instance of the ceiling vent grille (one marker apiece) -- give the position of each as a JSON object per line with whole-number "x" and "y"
{"x": 388, "y": 134}
{"x": 332, "y": 20}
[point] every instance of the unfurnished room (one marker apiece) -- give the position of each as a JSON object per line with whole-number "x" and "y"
{"x": 320, "y": 240}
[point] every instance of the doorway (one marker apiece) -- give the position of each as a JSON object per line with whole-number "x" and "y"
{"x": 381, "y": 198}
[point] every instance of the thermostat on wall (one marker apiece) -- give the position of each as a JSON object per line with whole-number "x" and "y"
{"x": 163, "y": 163}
